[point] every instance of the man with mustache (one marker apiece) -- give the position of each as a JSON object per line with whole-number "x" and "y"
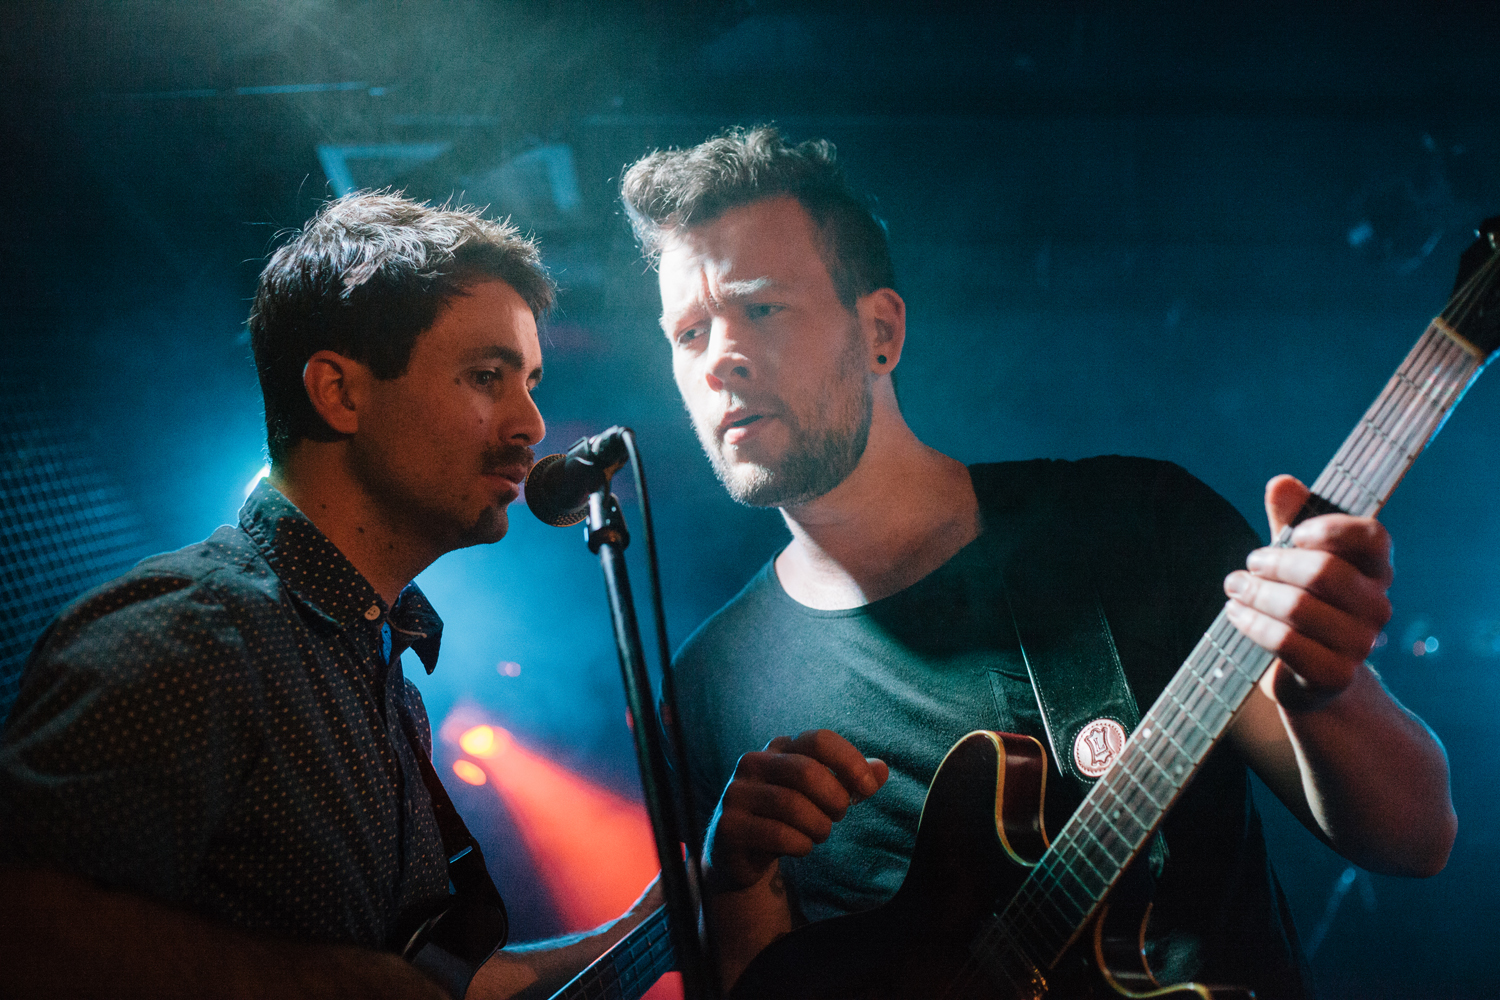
{"x": 216, "y": 780}
{"x": 878, "y": 633}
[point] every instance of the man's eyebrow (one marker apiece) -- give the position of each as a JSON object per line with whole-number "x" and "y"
{"x": 729, "y": 291}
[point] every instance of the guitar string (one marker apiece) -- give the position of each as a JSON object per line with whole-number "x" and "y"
{"x": 1405, "y": 391}
{"x": 1059, "y": 873}
{"x": 1393, "y": 461}
{"x": 641, "y": 957}
{"x": 1456, "y": 315}
{"x": 972, "y": 972}
{"x": 1424, "y": 410}
{"x": 1151, "y": 790}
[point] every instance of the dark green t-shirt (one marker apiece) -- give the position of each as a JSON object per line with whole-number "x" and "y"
{"x": 905, "y": 677}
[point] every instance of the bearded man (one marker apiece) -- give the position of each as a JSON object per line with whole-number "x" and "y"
{"x": 876, "y": 632}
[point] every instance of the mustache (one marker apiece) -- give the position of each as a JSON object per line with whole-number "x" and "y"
{"x": 508, "y": 456}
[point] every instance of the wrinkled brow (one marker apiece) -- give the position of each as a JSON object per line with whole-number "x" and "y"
{"x": 728, "y": 293}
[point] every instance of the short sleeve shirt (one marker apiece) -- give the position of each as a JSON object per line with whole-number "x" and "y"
{"x": 221, "y": 729}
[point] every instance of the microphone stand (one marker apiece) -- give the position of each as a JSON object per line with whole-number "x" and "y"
{"x": 608, "y": 539}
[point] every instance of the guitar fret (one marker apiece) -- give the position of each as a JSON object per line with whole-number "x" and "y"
{"x": 1252, "y": 675}
{"x": 1137, "y": 783}
{"x": 1103, "y": 875}
{"x": 1190, "y": 714}
{"x": 1118, "y": 814}
{"x": 1045, "y": 929}
{"x": 1228, "y": 705}
{"x": 1414, "y": 406}
{"x": 1037, "y": 921}
{"x": 1007, "y": 965}
{"x": 1390, "y": 432}
{"x": 1406, "y": 432}
{"x": 1067, "y": 878}
{"x": 1003, "y": 955}
{"x": 1076, "y": 851}
{"x": 1154, "y": 757}
{"x": 1425, "y": 387}
{"x": 634, "y": 963}
{"x": 1198, "y": 705}
{"x": 1353, "y": 480}
{"x": 1411, "y": 411}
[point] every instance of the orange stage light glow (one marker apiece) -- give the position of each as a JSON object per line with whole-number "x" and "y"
{"x": 592, "y": 847}
{"x": 485, "y": 741}
{"x": 470, "y": 772}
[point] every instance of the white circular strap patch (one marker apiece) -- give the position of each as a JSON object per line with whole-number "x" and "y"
{"x": 1096, "y": 746}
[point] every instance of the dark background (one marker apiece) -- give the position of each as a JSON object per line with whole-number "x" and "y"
{"x": 1200, "y": 232}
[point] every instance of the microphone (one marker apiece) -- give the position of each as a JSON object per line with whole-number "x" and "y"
{"x": 558, "y": 486}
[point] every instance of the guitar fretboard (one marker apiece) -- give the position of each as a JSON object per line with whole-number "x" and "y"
{"x": 1124, "y": 808}
{"x": 627, "y": 970}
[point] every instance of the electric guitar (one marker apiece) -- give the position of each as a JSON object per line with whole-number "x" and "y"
{"x": 988, "y": 908}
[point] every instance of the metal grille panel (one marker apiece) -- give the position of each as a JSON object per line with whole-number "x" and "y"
{"x": 64, "y": 526}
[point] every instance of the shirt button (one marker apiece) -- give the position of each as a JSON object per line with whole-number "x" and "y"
{"x": 373, "y": 613}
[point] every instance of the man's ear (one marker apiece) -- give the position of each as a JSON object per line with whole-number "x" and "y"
{"x": 882, "y": 315}
{"x": 335, "y": 386}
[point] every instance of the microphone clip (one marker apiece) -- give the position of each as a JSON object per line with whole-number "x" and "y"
{"x": 559, "y": 486}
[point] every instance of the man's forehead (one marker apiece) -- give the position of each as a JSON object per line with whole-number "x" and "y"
{"x": 759, "y": 226}
{"x": 489, "y": 321}
{"x": 729, "y": 259}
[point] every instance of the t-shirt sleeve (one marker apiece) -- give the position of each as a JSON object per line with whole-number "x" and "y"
{"x": 129, "y": 740}
{"x": 695, "y": 710}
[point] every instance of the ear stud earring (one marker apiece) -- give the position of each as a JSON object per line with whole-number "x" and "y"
{"x": 880, "y": 359}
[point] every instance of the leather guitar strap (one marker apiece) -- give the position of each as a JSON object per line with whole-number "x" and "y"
{"x": 1086, "y": 705}
{"x": 475, "y": 923}
{"x": 1071, "y": 659}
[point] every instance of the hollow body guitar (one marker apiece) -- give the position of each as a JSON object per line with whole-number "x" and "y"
{"x": 990, "y": 909}
{"x": 981, "y": 831}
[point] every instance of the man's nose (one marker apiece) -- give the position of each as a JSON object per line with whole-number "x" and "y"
{"x": 524, "y": 424}
{"x": 729, "y": 356}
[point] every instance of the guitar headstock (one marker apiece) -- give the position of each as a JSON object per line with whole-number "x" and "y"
{"x": 1474, "y": 310}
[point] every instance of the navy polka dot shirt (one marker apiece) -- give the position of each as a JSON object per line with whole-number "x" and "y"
{"x": 219, "y": 729}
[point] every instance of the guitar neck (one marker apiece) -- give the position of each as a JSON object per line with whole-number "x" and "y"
{"x": 629, "y": 968}
{"x": 1124, "y": 808}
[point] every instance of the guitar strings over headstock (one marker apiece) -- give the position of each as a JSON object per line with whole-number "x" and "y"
{"x": 1473, "y": 313}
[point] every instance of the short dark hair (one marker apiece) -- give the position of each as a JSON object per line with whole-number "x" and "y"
{"x": 675, "y": 189}
{"x": 367, "y": 275}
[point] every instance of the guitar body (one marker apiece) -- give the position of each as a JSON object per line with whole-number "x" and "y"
{"x": 981, "y": 830}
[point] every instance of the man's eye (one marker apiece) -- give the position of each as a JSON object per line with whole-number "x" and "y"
{"x": 486, "y": 377}
{"x": 690, "y": 334}
{"x": 760, "y": 310}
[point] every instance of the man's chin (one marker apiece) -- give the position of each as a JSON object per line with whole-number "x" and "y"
{"x": 490, "y": 528}
{"x": 753, "y": 487}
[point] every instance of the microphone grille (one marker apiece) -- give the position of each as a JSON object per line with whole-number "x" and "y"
{"x": 541, "y": 505}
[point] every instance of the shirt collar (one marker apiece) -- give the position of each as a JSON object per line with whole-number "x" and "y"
{"x": 324, "y": 579}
